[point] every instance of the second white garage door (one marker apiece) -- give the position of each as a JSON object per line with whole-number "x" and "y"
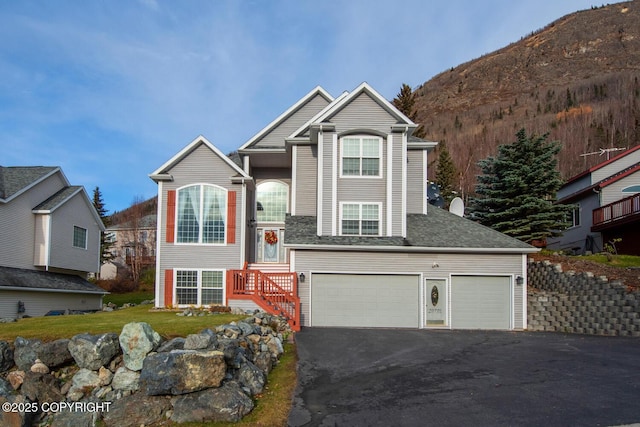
{"x": 481, "y": 302}
{"x": 365, "y": 300}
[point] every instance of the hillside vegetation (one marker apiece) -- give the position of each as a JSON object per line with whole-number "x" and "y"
{"x": 577, "y": 78}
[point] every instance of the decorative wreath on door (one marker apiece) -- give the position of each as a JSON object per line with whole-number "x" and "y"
{"x": 271, "y": 237}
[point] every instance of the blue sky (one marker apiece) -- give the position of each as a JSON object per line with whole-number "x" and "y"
{"x": 110, "y": 90}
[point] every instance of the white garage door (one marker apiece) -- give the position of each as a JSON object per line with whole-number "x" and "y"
{"x": 481, "y": 302}
{"x": 365, "y": 300}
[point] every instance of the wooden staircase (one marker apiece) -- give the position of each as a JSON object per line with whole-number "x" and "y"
{"x": 276, "y": 292}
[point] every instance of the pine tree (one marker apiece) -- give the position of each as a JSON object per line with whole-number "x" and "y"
{"x": 105, "y": 244}
{"x": 517, "y": 188}
{"x": 405, "y": 101}
{"x": 445, "y": 174}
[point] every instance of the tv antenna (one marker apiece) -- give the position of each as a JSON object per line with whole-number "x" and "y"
{"x": 602, "y": 151}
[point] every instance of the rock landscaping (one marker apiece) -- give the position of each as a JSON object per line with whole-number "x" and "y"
{"x": 135, "y": 378}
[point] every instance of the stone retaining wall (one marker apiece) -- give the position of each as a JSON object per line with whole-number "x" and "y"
{"x": 580, "y": 303}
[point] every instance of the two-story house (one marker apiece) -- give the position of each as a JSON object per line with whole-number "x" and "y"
{"x": 49, "y": 242}
{"x": 607, "y": 207}
{"x": 327, "y": 221}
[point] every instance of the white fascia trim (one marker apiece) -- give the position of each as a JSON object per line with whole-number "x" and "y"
{"x": 425, "y": 176}
{"x": 320, "y": 186}
{"x": 292, "y": 261}
{"x": 47, "y": 243}
{"x": 294, "y": 178}
{"x": 243, "y": 226}
{"x": 316, "y": 91}
{"x": 57, "y": 291}
{"x": 414, "y": 145}
{"x": 316, "y": 119}
{"x": 334, "y": 184}
{"x": 389, "y": 209}
{"x": 159, "y": 221}
{"x": 404, "y": 184}
{"x": 182, "y": 153}
{"x": 411, "y": 249}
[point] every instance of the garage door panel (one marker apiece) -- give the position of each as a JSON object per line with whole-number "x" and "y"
{"x": 481, "y": 302}
{"x": 361, "y": 300}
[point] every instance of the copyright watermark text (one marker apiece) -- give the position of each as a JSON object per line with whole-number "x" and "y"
{"x": 28, "y": 407}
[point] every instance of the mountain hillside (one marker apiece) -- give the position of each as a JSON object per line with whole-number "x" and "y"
{"x": 577, "y": 79}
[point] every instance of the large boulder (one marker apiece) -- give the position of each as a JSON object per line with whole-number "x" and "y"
{"x": 137, "y": 340}
{"x": 5, "y": 387}
{"x": 200, "y": 342}
{"x": 25, "y": 352}
{"x": 182, "y": 371}
{"x": 225, "y": 404}
{"x": 125, "y": 379}
{"x": 176, "y": 343}
{"x": 41, "y": 388}
{"x": 83, "y": 382}
{"x": 251, "y": 378}
{"x": 137, "y": 410}
{"x": 55, "y": 353}
{"x": 93, "y": 351}
{"x": 6, "y": 357}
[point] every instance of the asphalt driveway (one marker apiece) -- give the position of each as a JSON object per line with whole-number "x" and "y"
{"x": 385, "y": 377}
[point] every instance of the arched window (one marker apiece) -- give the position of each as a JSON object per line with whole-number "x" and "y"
{"x": 272, "y": 200}
{"x": 631, "y": 189}
{"x": 202, "y": 211}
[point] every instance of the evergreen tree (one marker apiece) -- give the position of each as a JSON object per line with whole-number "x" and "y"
{"x": 105, "y": 244}
{"x": 405, "y": 101}
{"x": 517, "y": 188}
{"x": 446, "y": 174}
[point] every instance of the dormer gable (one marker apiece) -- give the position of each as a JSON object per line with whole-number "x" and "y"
{"x": 163, "y": 173}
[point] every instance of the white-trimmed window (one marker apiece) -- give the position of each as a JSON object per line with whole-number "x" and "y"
{"x": 360, "y": 156}
{"x": 202, "y": 212}
{"x": 574, "y": 217}
{"x": 272, "y": 201}
{"x": 199, "y": 287}
{"x": 79, "y": 237}
{"x": 360, "y": 219}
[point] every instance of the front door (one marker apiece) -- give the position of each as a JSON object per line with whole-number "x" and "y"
{"x": 269, "y": 247}
{"x": 436, "y": 314}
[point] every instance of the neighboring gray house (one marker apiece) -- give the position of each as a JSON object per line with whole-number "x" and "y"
{"x": 46, "y": 226}
{"x": 327, "y": 222}
{"x": 132, "y": 241}
{"x": 607, "y": 200}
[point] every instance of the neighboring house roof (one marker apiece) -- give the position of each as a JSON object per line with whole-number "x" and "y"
{"x": 603, "y": 164}
{"x": 438, "y": 231}
{"x": 161, "y": 174}
{"x": 35, "y": 280}
{"x": 15, "y": 180}
{"x": 601, "y": 184}
{"x": 147, "y": 221}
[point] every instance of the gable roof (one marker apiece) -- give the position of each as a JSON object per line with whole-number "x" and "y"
{"x": 438, "y": 231}
{"x": 315, "y": 92}
{"x": 35, "y": 280}
{"x": 600, "y": 184}
{"x": 345, "y": 99}
{"x": 15, "y": 180}
{"x": 63, "y": 196}
{"x": 603, "y": 164}
{"x": 161, "y": 174}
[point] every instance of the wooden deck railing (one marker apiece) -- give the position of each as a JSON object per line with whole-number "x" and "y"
{"x": 276, "y": 293}
{"x": 617, "y": 210}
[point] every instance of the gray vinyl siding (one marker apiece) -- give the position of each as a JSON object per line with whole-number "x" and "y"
{"x": 330, "y": 166}
{"x": 276, "y": 137}
{"x": 17, "y": 223}
{"x": 415, "y": 181}
{"x": 574, "y": 238}
{"x": 363, "y": 113}
{"x": 64, "y": 255}
{"x": 613, "y": 192}
{"x": 396, "y": 207}
{"x": 201, "y": 166}
{"x": 575, "y": 186}
{"x": 309, "y": 261}
{"x": 38, "y": 303}
{"x": 306, "y": 180}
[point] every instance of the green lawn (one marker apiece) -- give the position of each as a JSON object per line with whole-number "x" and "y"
{"x": 131, "y": 297}
{"x": 622, "y": 261}
{"x": 272, "y": 406}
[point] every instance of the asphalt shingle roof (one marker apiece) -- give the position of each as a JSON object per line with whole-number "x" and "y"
{"x": 57, "y": 198}
{"x": 15, "y": 178}
{"x": 43, "y": 280}
{"x": 438, "y": 229}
